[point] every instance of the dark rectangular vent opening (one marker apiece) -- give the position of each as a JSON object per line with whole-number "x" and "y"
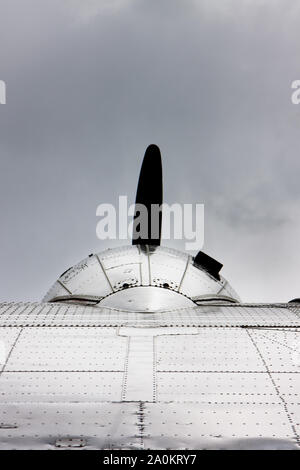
{"x": 212, "y": 266}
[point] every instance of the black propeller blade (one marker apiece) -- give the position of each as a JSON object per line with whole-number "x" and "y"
{"x": 147, "y": 226}
{"x": 148, "y": 218}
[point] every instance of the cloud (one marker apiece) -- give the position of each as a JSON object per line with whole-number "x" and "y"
{"x": 91, "y": 84}
{"x": 89, "y": 9}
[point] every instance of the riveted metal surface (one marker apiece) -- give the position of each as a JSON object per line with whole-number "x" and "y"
{"x": 67, "y": 349}
{"x": 8, "y": 337}
{"x": 87, "y": 277}
{"x": 217, "y": 426}
{"x": 70, "y": 442}
{"x": 167, "y": 268}
{"x": 209, "y": 376}
{"x": 289, "y": 387}
{"x": 106, "y": 425}
{"x": 147, "y": 299}
{"x": 279, "y": 348}
{"x": 44, "y": 314}
{"x": 215, "y": 387}
{"x": 113, "y": 270}
{"x": 215, "y": 349}
{"x": 63, "y": 387}
{"x": 122, "y": 267}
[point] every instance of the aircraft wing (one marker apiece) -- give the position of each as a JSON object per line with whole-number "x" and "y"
{"x": 215, "y": 376}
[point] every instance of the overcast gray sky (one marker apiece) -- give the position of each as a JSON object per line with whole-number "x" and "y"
{"x": 90, "y": 83}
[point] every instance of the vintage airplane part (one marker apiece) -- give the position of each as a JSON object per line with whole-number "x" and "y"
{"x": 145, "y": 347}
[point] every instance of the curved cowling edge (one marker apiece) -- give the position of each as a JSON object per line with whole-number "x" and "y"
{"x": 106, "y": 273}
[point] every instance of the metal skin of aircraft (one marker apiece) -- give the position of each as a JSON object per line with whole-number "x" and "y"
{"x": 145, "y": 347}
